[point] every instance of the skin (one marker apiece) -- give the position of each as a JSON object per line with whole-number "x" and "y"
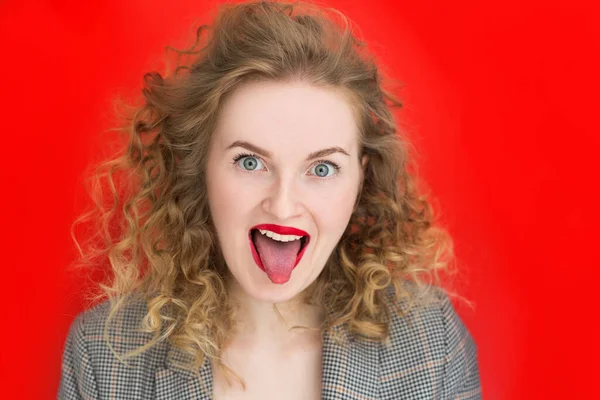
{"x": 288, "y": 121}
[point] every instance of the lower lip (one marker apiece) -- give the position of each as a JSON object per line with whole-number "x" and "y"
{"x": 257, "y": 259}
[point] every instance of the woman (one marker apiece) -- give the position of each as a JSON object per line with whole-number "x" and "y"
{"x": 273, "y": 243}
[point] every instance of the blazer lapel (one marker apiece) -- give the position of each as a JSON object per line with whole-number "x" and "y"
{"x": 350, "y": 372}
{"x": 177, "y": 383}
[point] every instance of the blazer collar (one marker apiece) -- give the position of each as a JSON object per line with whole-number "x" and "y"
{"x": 175, "y": 382}
{"x": 344, "y": 369}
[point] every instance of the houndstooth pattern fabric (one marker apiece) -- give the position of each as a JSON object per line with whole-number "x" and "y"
{"x": 430, "y": 355}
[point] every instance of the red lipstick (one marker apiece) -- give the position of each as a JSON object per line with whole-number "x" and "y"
{"x": 281, "y": 230}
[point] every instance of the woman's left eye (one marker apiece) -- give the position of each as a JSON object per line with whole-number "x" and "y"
{"x": 324, "y": 169}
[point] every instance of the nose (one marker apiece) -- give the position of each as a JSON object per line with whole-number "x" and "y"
{"x": 282, "y": 199}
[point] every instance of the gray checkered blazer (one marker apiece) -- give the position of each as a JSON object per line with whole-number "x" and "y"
{"x": 431, "y": 355}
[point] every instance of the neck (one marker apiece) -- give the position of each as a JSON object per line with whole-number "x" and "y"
{"x": 268, "y": 324}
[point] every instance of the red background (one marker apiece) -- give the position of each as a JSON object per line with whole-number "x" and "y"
{"x": 501, "y": 100}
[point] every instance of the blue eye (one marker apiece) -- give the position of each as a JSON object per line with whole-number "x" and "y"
{"x": 248, "y": 162}
{"x": 324, "y": 169}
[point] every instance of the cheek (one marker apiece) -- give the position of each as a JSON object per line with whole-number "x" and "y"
{"x": 230, "y": 200}
{"x": 220, "y": 199}
{"x": 333, "y": 210}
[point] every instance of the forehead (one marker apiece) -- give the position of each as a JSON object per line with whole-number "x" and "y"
{"x": 287, "y": 115}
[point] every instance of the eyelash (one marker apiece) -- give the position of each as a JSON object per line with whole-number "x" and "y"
{"x": 334, "y": 165}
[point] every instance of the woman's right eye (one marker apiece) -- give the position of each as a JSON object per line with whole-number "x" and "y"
{"x": 249, "y": 163}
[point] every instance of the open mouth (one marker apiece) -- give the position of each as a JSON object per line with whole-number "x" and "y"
{"x": 277, "y": 250}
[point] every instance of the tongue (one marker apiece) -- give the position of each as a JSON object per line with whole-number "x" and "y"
{"x": 278, "y": 258}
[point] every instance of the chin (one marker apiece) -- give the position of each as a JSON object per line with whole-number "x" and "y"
{"x": 259, "y": 287}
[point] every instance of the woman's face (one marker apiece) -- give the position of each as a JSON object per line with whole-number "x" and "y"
{"x": 282, "y": 179}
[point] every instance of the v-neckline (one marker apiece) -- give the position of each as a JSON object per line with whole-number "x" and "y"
{"x": 338, "y": 371}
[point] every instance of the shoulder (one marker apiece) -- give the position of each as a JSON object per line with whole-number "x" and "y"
{"x": 430, "y": 347}
{"x": 94, "y": 357}
{"x": 101, "y": 330}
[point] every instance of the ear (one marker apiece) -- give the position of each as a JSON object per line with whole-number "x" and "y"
{"x": 364, "y": 161}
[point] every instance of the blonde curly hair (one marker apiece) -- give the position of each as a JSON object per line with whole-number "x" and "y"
{"x": 156, "y": 232}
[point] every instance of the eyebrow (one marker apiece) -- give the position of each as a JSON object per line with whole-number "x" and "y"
{"x": 265, "y": 153}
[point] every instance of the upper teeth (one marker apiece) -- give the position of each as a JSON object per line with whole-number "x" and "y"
{"x": 281, "y": 238}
